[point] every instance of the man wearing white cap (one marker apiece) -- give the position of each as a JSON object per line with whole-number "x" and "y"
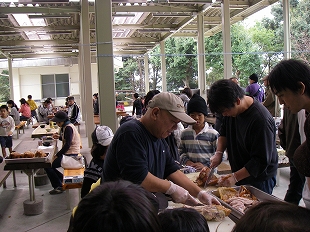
{"x": 139, "y": 153}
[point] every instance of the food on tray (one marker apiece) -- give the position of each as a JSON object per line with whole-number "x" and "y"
{"x": 212, "y": 212}
{"x": 240, "y": 200}
{"x": 28, "y": 154}
{"x": 227, "y": 192}
{"x": 40, "y": 154}
{"x": 203, "y": 176}
{"x": 16, "y": 155}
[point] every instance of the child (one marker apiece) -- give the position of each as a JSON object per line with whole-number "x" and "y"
{"x": 198, "y": 141}
{"x": 7, "y": 127}
{"x": 182, "y": 219}
{"x": 101, "y": 137}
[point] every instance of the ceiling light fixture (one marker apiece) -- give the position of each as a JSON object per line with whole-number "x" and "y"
{"x": 36, "y": 16}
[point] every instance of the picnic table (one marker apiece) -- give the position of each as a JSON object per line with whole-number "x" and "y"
{"x": 30, "y": 167}
{"x": 40, "y": 132}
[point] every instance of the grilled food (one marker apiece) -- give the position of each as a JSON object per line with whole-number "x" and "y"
{"x": 203, "y": 176}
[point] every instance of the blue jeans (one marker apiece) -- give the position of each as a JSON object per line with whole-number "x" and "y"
{"x": 266, "y": 186}
{"x": 53, "y": 174}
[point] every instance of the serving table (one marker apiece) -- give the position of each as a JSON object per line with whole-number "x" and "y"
{"x": 30, "y": 166}
{"x": 40, "y": 132}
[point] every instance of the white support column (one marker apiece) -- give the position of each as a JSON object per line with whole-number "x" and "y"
{"x": 103, "y": 13}
{"x": 226, "y": 39}
{"x": 286, "y": 26}
{"x": 146, "y": 73}
{"x": 163, "y": 66}
{"x": 201, "y": 57}
{"x": 85, "y": 61}
{"x": 11, "y": 78}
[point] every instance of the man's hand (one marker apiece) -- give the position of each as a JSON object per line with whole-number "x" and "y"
{"x": 198, "y": 166}
{"x": 10, "y": 133}
{"x": 227, "y": 180}
{"x": 207, "y": 199}
{"x": 181, "y": 195}
{"x": 216, "y": 159}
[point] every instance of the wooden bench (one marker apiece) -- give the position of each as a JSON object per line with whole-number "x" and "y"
{"x": 20, "y": 126}
{"x": 73, "y": 178}
{"x": 5, "y": 174}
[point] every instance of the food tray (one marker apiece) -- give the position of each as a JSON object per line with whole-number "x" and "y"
{"x": 27, "y": 160}
{"x": 235, "y": 214}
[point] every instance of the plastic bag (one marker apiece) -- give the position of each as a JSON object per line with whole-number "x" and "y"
{"x": 72, "y": 162}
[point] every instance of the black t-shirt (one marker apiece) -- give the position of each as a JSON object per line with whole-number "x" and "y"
{"x": 251, "y": 143}
{"x": 134, "y": 152}
{"x": 137, "y": 107}
{"x": 91, "y": 174}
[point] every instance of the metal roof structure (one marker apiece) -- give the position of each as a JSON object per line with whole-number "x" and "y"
{"x": 51, "y": 28}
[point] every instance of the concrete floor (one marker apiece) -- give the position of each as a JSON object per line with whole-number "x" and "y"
{"x": 56, "y": 215}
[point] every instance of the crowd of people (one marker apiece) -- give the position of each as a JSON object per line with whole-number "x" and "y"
{"x": 144, "y": 155}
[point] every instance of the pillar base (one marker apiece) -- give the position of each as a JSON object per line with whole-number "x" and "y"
{"x": 33, "y": 207}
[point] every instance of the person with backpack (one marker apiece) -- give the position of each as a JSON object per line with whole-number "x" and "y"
{"x": 254, "y": 89}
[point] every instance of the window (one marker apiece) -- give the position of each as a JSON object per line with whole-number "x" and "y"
{"x": 55, "y": 85}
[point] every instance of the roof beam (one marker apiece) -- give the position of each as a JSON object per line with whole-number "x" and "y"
{"x": 41, "y": 28}
{"x": 12, "y": 43}
{"x": 154, "y": 9}
{"x": 38, "y": 10}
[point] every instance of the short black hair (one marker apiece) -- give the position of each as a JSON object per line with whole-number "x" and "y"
{"x": 288, "y": 74}
{"x": 136, "y": 95}
{"x": 119, "y": 206}
{"x": 29, "y": 97}
{"x": 274, "y": 216}
{"x": 149, "y": 96}
{"x": 4, "y": 107}
{"x": 98, "y": 150}
{"x": 183, "y": 219}
{"x": 223, "y": 94}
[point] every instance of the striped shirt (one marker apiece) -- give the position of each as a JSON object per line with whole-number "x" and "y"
{"x": 198, "y": 147}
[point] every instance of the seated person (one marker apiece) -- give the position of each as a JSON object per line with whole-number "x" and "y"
{"x": 74, "y": 113}
{"x": 13, "y": 111}
{"x": 198, "y": 141}
{"x": 275, "y": 217}
{"x": 182, "y": 219}
{"x": 119, "y": 206}
{"x": 101, "y": 137}
{"x": 24, "y": 110}
{"x": 71, "y": 142}
{"x": 44, "y": 111}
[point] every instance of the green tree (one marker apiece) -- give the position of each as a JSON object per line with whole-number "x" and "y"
{"x": 125, "y": 77}
{"x": 181, "y": 63}
{"x": 4, "y": 86}
{"x": 155, "y": 72}
{"x": 300, "y": 28}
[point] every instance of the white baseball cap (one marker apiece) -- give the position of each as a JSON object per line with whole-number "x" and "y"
{"x": 102, "y": 135}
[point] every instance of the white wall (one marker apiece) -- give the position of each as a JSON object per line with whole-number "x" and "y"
{"x": 27, "y": 80}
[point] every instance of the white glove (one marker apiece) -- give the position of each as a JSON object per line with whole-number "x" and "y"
{"x": 207, "y": 199}
{"x": 181, "y": 195}
{"x": 226, "y": 181}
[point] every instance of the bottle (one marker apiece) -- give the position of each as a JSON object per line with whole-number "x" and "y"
{"x": 51, "y": 124}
